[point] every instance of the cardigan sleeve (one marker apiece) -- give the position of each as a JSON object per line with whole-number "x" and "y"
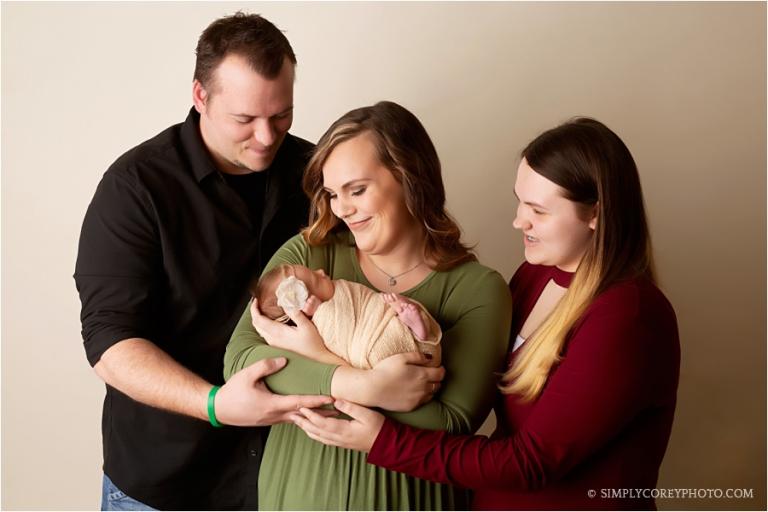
{"x": 616, "y": 362}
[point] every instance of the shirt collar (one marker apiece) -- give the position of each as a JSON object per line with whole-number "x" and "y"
{"x": 199, "y": 158}
{"x": 561, "y": 277}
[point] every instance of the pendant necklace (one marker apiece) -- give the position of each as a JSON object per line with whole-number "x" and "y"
{"x": 393, "y": 279}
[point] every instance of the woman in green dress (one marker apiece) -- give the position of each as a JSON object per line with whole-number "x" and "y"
{"x": 378, "y": 218}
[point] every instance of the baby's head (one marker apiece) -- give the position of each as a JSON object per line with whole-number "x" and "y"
{"x": 318, "y": 285}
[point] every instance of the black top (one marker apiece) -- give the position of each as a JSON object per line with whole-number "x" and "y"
{"x": 251, "y": 188}
{"x": 166, "y": 253}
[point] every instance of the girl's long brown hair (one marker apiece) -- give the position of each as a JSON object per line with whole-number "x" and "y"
{"x": 595, "y": 168}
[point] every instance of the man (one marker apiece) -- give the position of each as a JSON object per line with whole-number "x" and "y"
{"x": 177, "y": 228}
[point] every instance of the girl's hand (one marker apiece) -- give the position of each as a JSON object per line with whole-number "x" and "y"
{"x": 359, "y": 433}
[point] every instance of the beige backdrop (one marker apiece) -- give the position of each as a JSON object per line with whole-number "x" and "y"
{"x": 683, "y": 84}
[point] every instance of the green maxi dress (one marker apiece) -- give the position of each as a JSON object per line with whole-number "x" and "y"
{"x": 473, "y": 306}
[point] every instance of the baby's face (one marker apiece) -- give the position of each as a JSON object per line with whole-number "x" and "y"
{"x": 318, "y": 284}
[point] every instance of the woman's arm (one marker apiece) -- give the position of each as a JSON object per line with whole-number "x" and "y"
{"x": 246, "y": 346}
{"x": 305, "y": 376}
{"x": 616, "y": 369}
{"x": 302, "y": 338}
{"x": 473, "y": 352}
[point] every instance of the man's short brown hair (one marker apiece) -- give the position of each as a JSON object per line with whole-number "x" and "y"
{"x": 250, "y": 36}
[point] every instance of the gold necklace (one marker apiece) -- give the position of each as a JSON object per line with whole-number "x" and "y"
{"x": 393, "y": 279}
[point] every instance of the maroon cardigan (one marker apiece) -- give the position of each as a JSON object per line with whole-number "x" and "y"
{"x": 600, "y": 425}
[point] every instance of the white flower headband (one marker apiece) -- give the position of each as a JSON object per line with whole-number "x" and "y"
{"x": 291, "y": 293}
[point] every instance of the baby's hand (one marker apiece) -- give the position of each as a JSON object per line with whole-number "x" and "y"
{"x": 310, "y": 306}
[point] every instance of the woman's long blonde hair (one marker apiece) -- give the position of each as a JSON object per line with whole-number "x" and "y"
{"x": 595, "y": 168}
{"x": 404, "y": 147}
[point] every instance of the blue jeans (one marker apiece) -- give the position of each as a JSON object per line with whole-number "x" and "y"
{"x": 113, "y": 498}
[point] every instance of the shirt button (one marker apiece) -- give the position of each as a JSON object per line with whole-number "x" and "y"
{"x": 253, "y": 453}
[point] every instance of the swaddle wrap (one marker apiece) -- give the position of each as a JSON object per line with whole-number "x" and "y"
{"x": 358, "y": 326}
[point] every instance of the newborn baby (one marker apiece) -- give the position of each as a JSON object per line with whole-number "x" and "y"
{"x": 356, "y": 323}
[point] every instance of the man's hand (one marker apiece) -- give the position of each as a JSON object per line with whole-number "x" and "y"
{"x": 247, "y": 402}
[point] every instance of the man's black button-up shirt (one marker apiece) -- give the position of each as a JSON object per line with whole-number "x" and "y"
{"x": 166, "y": 253}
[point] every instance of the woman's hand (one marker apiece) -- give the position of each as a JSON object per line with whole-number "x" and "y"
{"x": 402, "y": 383}
{"x": 398, "y": 383}
{"x": 359, "y": 433}
{"x": 302, "y": 339}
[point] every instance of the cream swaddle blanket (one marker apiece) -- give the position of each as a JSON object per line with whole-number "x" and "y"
{"x": 358, "y": 326}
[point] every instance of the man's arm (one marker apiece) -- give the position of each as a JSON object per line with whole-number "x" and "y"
{"x": 138, "y": 368}
{"x": 141, "y": 370}
{"x": 117, "y": 274}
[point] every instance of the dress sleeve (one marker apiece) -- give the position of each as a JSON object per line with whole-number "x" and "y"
{"x": 473, "y": 354}
{"x": 613, "y": 367}
{"x": 117, "y": 265}
{"x": 246, "y": 346}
